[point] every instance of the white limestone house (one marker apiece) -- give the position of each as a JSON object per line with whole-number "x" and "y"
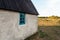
{"x": 18, "y": 19}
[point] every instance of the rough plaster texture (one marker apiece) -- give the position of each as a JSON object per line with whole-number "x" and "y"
{"x": 10, "y": 28}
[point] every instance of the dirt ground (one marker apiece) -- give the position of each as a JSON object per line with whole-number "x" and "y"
{"x": 46, "y": 33}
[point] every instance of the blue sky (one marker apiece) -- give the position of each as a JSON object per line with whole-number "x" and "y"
{"x": 47, "y": 7}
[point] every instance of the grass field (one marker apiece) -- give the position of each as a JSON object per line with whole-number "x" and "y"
{"x": 46, "y": 33}
{"x": 48, "y": 21}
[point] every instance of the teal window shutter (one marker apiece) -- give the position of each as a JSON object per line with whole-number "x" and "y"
{"x": 22, "y": 19}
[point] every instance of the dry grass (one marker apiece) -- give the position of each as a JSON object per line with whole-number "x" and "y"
{"x": 48, "y": 21}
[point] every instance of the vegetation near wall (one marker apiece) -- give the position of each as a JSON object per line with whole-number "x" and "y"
{"x": 46, "y": 33}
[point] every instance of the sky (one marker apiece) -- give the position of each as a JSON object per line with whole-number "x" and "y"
{"x": 47, "y": 7}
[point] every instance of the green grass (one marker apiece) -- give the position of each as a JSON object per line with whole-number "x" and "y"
{"x": 42, "y": 34}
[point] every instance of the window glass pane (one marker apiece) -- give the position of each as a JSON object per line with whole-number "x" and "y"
{"x": 21, "y": 15}
{"x": 22, "y": 18}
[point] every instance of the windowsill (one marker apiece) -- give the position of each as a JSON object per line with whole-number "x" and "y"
{"x": 22, "y": 25}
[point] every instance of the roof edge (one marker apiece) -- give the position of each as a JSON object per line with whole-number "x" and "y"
{"x": 17, "y": 11}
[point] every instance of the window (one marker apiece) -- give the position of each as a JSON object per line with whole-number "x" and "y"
{"x": 22, "y": 19}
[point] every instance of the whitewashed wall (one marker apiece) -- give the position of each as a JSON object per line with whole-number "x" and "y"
{"x": 10, "y": 28}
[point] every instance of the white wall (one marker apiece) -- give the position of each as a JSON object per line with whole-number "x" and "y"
{"x": 30, "y": 27}
{"x": 10, "y": 28}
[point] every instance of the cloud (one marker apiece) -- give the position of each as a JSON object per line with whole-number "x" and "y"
{"x": 53, "y": 8}
{"x": 47, "y": 7}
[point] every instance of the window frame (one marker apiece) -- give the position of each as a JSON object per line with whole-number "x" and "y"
{"x": 22, "y": 18}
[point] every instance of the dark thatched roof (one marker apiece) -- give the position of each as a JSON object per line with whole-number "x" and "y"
{"x": 19, "y": 6}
